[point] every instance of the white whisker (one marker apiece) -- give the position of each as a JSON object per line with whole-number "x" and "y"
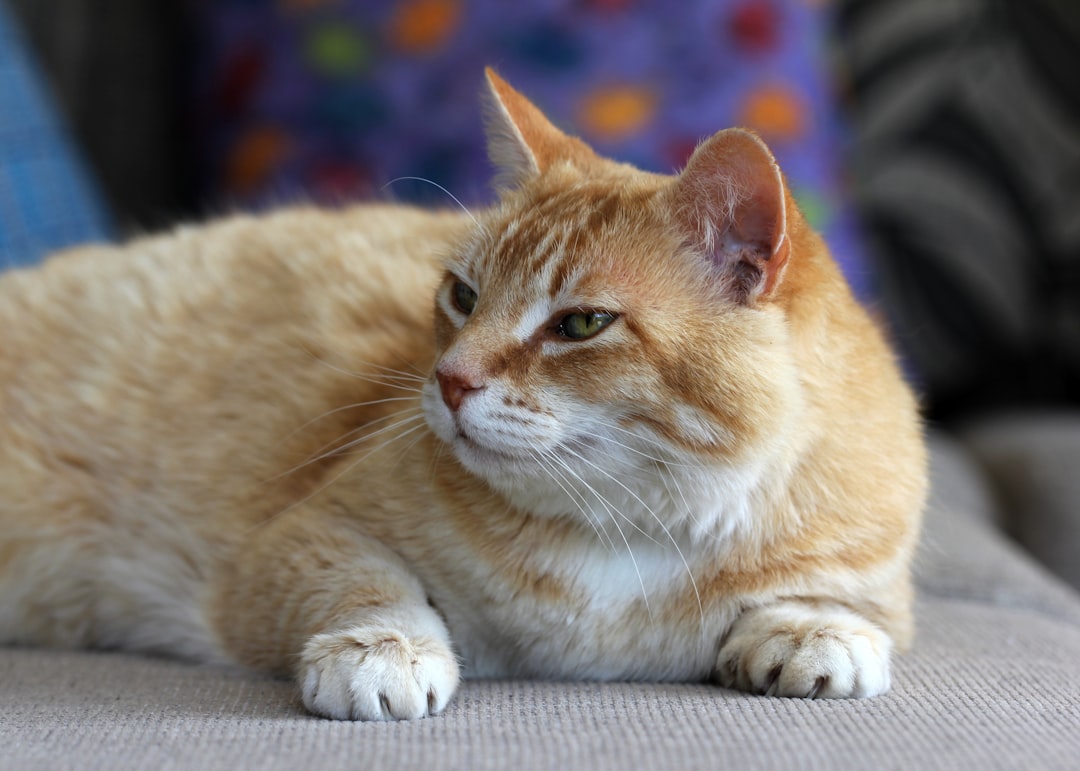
{"x": 407, "y": 448}
{"x": 397, "y": 373}
{"x": 661, "y": 466}
{"x": 388, "y": 378}
{"x": 690, "y": 515}
{"x": 453, "y": 197}
{"x": 659, "y": 461}
{"x": 661, "y": 446}
{"x": 340, "y": 440}
{"x": 353, "y": 406}
{"x": 603, "y": 501}
{"x": 400, "y": 384}
{"x": 322, "y": 453}
{"x": 573, "y": 495}
{"x": 348, "y": 469}
{"x": 436, "y": 457}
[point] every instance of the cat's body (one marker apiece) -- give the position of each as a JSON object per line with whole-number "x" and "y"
{"x": 655, "y": 445}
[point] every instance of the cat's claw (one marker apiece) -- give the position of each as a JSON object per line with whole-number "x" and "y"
{"x": 377, "y": 674}
{"x": 804, "y": 651}
{"x": 771, "y": 682}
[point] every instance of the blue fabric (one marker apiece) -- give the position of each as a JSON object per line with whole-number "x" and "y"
{"x": 47, "y": 200}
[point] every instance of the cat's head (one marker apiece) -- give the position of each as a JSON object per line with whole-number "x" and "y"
{"x": 614, "y": 344}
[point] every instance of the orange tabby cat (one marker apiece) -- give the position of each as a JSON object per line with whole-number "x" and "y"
{"x": 644, "y": 432}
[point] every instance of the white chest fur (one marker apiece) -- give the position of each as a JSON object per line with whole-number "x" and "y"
{"x": 619, "y": 614}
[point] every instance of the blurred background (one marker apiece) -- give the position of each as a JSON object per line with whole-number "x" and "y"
{"x": 935, "y": 143}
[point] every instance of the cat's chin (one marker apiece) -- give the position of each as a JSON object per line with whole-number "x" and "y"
{"x": 486, "y": 461}
{"x": 518, "y": 478}
{"x": 517, "y": 474}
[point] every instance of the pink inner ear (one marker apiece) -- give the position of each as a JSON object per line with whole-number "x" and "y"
{"x": 731, "y": 196}
{"x": 758, "y": 220}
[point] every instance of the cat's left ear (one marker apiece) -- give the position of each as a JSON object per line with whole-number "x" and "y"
{"x": 522, "y": 142}
{"x": 732, "y": 199}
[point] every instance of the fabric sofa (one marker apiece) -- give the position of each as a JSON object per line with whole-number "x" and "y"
{"x": 992, "y": 682}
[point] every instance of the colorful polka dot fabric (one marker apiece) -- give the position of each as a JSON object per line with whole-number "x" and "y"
{"x": 337, "y": 100}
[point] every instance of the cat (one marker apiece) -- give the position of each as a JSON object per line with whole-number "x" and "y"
{"x": 642, "y": 431}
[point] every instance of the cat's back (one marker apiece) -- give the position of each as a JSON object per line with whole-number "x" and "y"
{"x": 179, "y": 310}
{"x": 233, "y": 328}
{"x": 232, "y": 265}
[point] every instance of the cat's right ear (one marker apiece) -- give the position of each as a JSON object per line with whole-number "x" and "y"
{"x": 522, "y": 142}
{"x": 732, "y": 200}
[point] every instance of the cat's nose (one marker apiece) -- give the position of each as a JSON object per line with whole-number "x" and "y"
{"x": 455, "y": 386}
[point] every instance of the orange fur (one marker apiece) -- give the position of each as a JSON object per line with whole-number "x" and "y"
{"x": 230, "y": 442}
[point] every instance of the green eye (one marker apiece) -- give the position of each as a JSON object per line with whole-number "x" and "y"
{"x": 464, "y": 297}
{"x": 578, "y": 326}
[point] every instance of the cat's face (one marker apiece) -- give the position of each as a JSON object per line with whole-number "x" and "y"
{"x": 601, "y": 351}
{"x": 589, "y": 363}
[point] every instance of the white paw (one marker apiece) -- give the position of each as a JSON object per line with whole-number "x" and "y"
{"x": 368, "y": 673}
{"x": 805, "y": 651}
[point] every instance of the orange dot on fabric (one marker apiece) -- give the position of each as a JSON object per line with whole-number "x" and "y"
{"x": 617, "y": 112}
{"x": 775, "y": 111}
{"x": 421, "y": 26}
{"x": 254, "y": 157}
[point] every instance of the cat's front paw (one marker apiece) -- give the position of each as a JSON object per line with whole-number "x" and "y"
{"x": 805, "y": 651}
{"x": 377, "y": 674}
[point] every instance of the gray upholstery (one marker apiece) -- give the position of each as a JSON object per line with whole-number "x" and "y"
{"x": 1034, "y": 462}
{"x": 993, "y": 682}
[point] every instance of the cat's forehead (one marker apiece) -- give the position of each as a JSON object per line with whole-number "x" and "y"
{"x": 584, "y": 211}
{"x": 564, "y": 239}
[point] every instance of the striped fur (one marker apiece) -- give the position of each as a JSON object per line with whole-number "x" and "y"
{"x": 243, "y": 443}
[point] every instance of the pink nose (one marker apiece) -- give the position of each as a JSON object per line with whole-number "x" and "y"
{"x": 455, "y": 386}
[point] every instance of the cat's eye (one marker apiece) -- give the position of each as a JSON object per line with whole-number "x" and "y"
{"x": 464, "y": 297}
{"x": 584, "y": 324}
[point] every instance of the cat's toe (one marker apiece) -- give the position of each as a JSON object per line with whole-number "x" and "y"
{"x": 375, "y": 674}
{"x": 804, "y": 651}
